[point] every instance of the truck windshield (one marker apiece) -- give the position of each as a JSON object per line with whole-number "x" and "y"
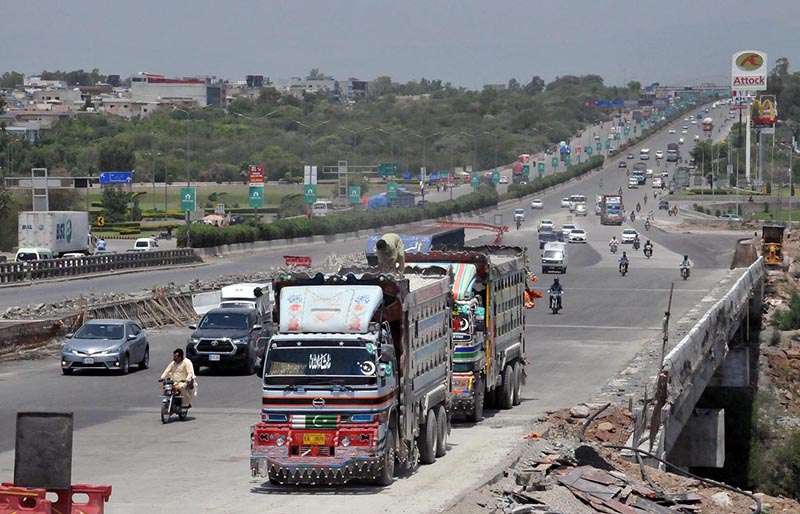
{"x": 298, "y": 364}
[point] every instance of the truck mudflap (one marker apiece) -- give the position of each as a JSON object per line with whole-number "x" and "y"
{"x": 315, "y": 456}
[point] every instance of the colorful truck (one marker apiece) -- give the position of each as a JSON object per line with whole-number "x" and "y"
{"x": 357, "y": 378}
{"x": 488, "y": 324}
{"x": 611, "y": 210}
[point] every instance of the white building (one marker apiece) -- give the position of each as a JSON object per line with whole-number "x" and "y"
{"x": 157, "y": 88}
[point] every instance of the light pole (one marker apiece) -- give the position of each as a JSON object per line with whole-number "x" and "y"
{"x": 308, "y": 135}
{"x": 256, "y": 118}
{"x": 355, "y": 135}
{"x": 187, "y": 214}
{"x": 424, "y": 154}
{"x": 474, "y": 149}
{"x": 391, "y": 138}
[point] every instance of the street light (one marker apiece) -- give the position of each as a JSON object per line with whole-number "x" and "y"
{"x": 391, "y": 138}
{"x": 308, "y": 135}
{"x": 474, "y": 149}
{"x": 424, "y": 154}
{"x": 257, "y": 118}
{"x": 355, "y": 134}
{"x": 153, "y": 154}
{"x": 188, "y": 214}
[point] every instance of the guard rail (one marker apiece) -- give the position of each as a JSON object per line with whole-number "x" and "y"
{"x": 12, "y": 272}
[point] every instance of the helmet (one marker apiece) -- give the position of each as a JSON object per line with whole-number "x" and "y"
{"x": 648, "y": 241}
{"x": 686, "y": 257}
{"x": 555, "y": 280}
{"x": 624, "y": 254}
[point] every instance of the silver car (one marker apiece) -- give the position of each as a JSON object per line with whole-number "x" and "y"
{"x": 110, "y": 344}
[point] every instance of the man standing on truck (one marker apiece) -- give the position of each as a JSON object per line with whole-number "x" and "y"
{"x": 391, "y": 253}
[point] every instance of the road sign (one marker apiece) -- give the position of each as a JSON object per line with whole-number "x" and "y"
{"x": 256, "y": 173}
{"x": 354, "y": 194}
{"x": 627, "y": 131}
{"x": 116, "y": 177}
{"x": 188, "y": 199}
{"x": 391, "y": 190}
{"x": 641, "y": 125}
{"x": 526, "y": 170}
{"x": 256, "y": 197}
{"x": 554, "y": 162}
{"x": 496, "y": 176}
{"x": 101, "y": 220}
{"x": 474, "y": 180}
{"x": 387, "y": 169}
{"x": 310, "y": 193}
{"x": 608, "y": 144}
{"x": 599, "y": 146}
{"x": 587, "y": 150}
{"x": 617, "y": 136}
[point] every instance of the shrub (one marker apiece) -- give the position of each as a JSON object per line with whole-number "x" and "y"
{"x": 789, "y": 319}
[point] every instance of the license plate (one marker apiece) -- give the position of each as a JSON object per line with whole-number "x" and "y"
{"x": 213, "y": 357}
{"x": 314, "y": 439}
{"x": 88, "y": 360}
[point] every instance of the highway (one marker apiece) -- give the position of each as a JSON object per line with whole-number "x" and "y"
{"x": 119, "y": 439}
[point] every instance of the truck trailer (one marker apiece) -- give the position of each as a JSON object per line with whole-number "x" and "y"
{"x": 59, "y": 231}
{"x": 356, "y": 381}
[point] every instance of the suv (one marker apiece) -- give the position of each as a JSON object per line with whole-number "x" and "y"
{"x": 519, "y": 214}
{"x": 227, "y": 337}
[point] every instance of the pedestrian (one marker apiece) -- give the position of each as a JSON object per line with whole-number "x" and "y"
{"x": 308, "y": 214}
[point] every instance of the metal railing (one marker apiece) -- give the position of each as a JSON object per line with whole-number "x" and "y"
{"x": 11, "y": 272}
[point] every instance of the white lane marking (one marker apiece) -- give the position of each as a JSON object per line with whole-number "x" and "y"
{"x": 606, "y": 327}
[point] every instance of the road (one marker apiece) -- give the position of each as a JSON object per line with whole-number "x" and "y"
{"x": 119, "y": 440}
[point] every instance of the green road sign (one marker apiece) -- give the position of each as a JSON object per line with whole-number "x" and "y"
{"x": 474, "y": 180}
{"x": 256, "y": 197}
{"x": 627, "y": 131}
{"x": 309, "y": 193}
{"x": 599, "y": 146}
{"x": 540, "y": 166}
{"x": 608, "y": 145}
{"x": 526, "y": 170}
{"x": 354, "y": 194}
{"x": 617, "y": 136}
{"x": 496, "y": 176}
{"x": 554, "y": 162}
{"x": 188, "y": 199}
{"x": 588, "y": 151}
{"x": 391, "y": 190}
{"x": 386, "y": 169}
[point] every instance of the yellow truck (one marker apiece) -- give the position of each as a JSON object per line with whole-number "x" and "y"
{"x": 772, "y": 245}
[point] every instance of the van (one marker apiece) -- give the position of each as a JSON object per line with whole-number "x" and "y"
{"x": 33, "y": 254}
{"x": 554, "y": 258}
{"x": 144, "y": 244}
{"x": 321, "y": 208}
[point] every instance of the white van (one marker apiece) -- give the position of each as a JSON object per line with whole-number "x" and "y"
{"x": 321, "y": 208}
{"x": 33, "y": 254}
{"x": 144, "y": 244}
{"x": 554, "y": 257}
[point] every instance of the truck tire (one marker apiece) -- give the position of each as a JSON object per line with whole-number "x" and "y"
{"x": 505, "y": 397}
{"x": 517, "y": 383}
{"x": 441, "y": 431}
{"x": 427, "y": 439}
{"x": 386, "y": 476}
{"x": 480, "y": 398}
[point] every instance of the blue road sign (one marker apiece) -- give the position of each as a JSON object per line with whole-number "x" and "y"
{"x": 116, "y": 177}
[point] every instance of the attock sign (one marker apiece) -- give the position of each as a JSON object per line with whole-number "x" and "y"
{"x": 749, "y": 71}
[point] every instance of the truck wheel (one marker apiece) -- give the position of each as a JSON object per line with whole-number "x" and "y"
{"x": 517, "y": 383}
{"x": 506, "y": 394}
{"x": 480, "y": 398}
{"x": 427, "y": 439}
{"x": 386, "y": 477}
{"x": 441, "y": 431}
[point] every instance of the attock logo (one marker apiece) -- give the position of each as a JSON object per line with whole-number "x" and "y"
{"x": 749, "y": 61}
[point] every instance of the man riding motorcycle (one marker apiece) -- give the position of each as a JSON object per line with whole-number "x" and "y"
{"x": 685, "y": 264}
{"x": 648, "y": 248}
{"x": 556, "y": 289}
{"x": 613, "y": 244}
{"x": 181, "y": 371}
{"x": 623, "y": 261}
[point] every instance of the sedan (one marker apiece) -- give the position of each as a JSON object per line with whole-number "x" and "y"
{"x": 659, "y": 154}
{"x": 577, "y": 235}
{"x": 566, "y": 229}
{"x": 565, "y": 203}
{"x": 622, "y": 164}
{"x": 663, "y": 205}
{"x": 109, "y": 344}
{"x": 546, "y": 225}
{"x": 629, "y": 156}
{"x": 730, "y": 217}
{"x": 672, "y": 131}
{"x": 684, "y": 131}
{"x": 628, "y": 235}
{"x": 537, "y": 203}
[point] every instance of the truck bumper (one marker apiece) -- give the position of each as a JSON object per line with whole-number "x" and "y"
{"x": 316, "y": 471}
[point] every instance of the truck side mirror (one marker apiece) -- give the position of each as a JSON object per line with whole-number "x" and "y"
{"x": 257, "y": 326}
{"x": 387, "y": 354}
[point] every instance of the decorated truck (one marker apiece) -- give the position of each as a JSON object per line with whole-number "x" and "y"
{"x": 488, "y": 324}
{"x": 356, "y": 379}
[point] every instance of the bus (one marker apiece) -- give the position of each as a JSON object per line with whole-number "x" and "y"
{"x": 644, "y": 154}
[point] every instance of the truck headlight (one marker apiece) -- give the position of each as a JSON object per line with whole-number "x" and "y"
{"x": 346, "y": 441}
{"x": 280, "y": 441}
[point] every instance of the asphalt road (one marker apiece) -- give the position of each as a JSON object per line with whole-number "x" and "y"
{"x": 120, "y": 440}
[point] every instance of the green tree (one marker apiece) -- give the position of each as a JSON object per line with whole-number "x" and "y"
{"x": 115, "y": 204}
{"x": 535, "y": 86}
{"x": 115, "y": 155}
{"x": 635, "y": 85}
{"x": 513, "y": 85}
{"x": 11, "y": 79}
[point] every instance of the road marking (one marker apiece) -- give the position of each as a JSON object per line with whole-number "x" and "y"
{"x": 606, "y": 327}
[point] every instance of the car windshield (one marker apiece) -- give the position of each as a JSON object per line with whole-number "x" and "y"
{"x": 578, "y": 232}
{"x": 519, "y": 211}
{"x": 27, "y": 256}
{"x": 234, "y": 321}
{"x": 100, "y": 331}
{"x": 296, "y": 364}
{"x": 552, "y": 254}
{"x": 237, "y": 305}
{"x": 629, "y": 232}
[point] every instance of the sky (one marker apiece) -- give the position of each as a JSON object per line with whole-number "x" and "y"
{"x": 468, "y": 43}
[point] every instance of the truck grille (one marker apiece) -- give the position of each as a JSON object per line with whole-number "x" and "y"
{"x": 214, "y": 346}
{"x": 305, "y": 451}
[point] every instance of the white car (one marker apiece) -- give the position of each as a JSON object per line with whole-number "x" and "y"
{"x": 648, "y": 173}
{"x": 567, "y": 228}
{"x": 577, "y": 235}
{"x": 657, "y": 181}
{"x": 672, "y": 131}
{"x": 680, "y": 141}
{"x": 659, "y": 154}
{"x": 633, "y": 183}
{"x": 537, "y": 203}
{"x": 628, "y": 235}
{"x": 546, "y": 224}
{"x": 565, "y": 203}
{"x": 697, "y": 137}
{"x": 694, "y": 122}
{"x": 665, "y": 173}
{"x": 684, "y": 131}
{"x": 519, "y": 214}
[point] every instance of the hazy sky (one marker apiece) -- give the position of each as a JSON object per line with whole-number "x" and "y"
{"x": 468, "y": 43}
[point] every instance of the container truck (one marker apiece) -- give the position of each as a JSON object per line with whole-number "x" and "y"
{"x": 488, "y": 324}
{"x": 673, "y": 152}
{"x": 611, "y": 210}
{"x": 59, "y": 231}
{"x": 357, "y": 378}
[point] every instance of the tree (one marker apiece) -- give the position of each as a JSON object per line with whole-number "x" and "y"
{"x": 535, "y": 86}
{"x": 380, "y": 86}
{"x": 115, "y": 204}
{"x": 115, "y": 155}
{"x": 635, "y": 85}
{"x": 11, "y": 79}
{"x": 315, "y": 74}
{"x": 513, "y": 85}
{"x": 2, "y": 104}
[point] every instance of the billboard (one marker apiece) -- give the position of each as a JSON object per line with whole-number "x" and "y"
{"x": 764, "y": 111}
{"x": 749, "y": 71}
{"x": 256, "y": 174}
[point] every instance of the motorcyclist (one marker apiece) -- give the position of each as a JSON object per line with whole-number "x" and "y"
{"x": 645, "y": 199}
{"x": 636, "y": 242}
{"x": 556, "y": 288}
{"x": 620, "y": 190}
{"x": 519, "y": 223}
{"x": 613, "y": 243}
{"x": 623, "y": 260}
{"x": 648, "y": 247}
{"x": 686, "y": 262}
{"x": 638, "y": 207}
{"x": 633, "y": 216}
{"x": 181, "y": 371}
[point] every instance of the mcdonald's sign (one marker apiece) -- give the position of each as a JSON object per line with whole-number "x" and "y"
{"x": 764, "y": 111}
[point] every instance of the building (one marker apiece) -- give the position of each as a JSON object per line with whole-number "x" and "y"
{"x": 352, "y": 90}
{"x": 317, "y": 84}
{"x": 200, "y": 92}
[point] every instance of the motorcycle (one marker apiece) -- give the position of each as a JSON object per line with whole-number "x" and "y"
{"x": 647, "y": 224}
{"x": 648, "y": 251}
{"x": 171, "y": 401}
{"x": 636, "y": 244}
{"x": 684, "y": 272}
{"x": 613, "y": 247}
{"x": 633, "y": 217}
{"x": 623, "y": 268}
{"x": 555, "y": 301}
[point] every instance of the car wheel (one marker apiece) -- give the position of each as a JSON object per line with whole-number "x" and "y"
{"x": 146, "y": 359}
{"x": 67, "y": 371}
{"x": 427, "y": 439}
{"x": 441, "y": 431}
{"x": 125, "y": 364}
{"x": 249, "y": 367}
